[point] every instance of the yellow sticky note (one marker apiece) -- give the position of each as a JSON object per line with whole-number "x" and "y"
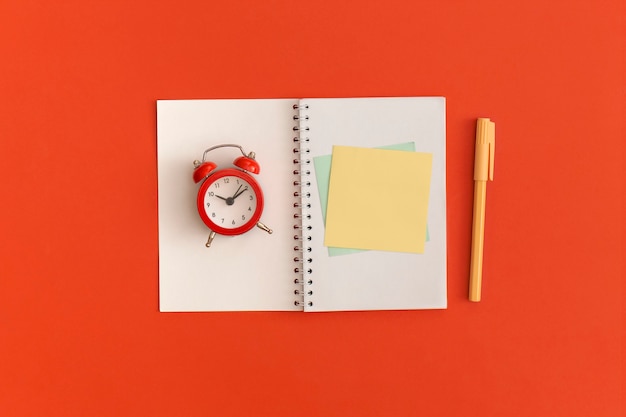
{"x": 378, "y": 199}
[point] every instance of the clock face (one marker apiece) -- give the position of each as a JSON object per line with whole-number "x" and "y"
{"x": 230, "y": 202}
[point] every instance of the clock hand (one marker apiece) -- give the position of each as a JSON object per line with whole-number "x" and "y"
{"x": 240, "y": 192}
{"x": 229, "y": 200}
{"x": 235, "y": 195}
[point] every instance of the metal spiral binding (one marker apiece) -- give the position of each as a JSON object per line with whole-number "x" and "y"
{"x": 303, "y": 259}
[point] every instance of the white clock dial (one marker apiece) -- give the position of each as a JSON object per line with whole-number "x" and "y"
{"x": 230, "y": 202}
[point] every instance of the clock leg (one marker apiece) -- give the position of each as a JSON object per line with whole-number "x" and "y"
{"x": 264, "y": 227}
{"x": 211, "y": 236}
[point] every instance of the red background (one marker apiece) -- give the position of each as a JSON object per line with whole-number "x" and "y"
{"x": 80, "y": 331}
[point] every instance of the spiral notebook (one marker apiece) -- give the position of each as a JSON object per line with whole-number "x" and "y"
{"x": 304, "y": 147}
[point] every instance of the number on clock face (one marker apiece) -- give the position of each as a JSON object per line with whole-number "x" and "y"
{"x": 230, "y": 202}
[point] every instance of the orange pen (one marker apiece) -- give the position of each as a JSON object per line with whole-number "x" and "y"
{"x": 483, "y": 171}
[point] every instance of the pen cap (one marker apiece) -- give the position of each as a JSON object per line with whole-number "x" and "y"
{"x": 485, "y": 149}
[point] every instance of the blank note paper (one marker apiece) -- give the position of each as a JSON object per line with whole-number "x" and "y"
{"x": 378, "y": 199}
{"x": 322, "y": 173}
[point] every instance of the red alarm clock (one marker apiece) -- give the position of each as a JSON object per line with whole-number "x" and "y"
{"x": 230, "y": 201}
